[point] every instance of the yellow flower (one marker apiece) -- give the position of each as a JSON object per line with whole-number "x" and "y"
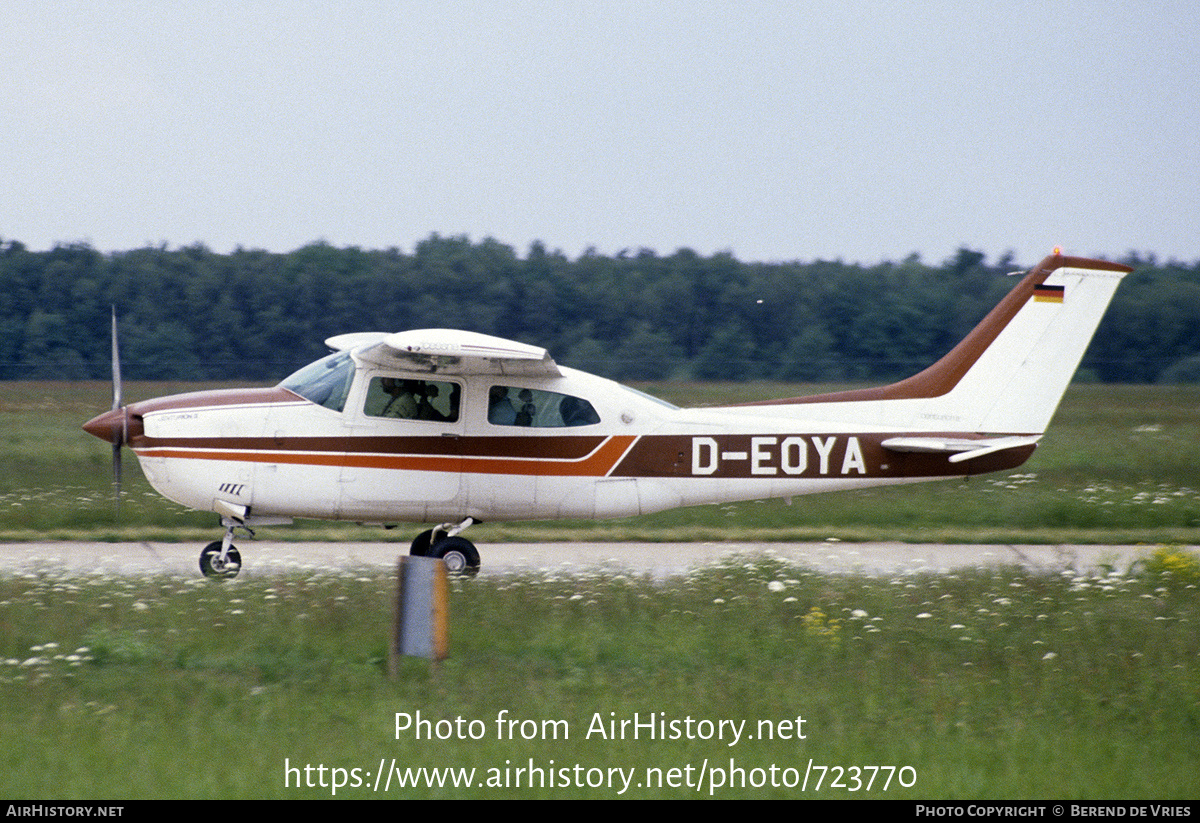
{"x": 1175, "y": 565}
{"x": 820, "y": 627}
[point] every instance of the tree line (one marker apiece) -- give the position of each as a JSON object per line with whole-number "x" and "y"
{"x": 191, "y": 313}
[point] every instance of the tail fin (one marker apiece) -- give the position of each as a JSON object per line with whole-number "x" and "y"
{"x": 1009, "y": 374}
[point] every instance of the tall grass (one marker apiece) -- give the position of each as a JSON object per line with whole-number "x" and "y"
{"x": 988, "y": 684}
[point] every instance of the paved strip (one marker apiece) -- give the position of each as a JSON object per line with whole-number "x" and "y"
{"x": 657, "y": 559}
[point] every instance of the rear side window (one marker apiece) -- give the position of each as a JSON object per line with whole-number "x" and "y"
{"x": 515, "y": 406}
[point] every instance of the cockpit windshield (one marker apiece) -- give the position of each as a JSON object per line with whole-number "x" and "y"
{"x": 325, "y": 382}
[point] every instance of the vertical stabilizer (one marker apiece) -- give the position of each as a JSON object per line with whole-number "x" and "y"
{"x": 1017, "y": 383}
{"x": 1009, "y": 374}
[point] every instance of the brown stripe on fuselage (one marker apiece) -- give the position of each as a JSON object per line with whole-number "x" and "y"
{"x": 944, "y": 375}
{"x": 569, "y": 447}
{"x": 672, "y": 456}
{"x": 536, "y": 456}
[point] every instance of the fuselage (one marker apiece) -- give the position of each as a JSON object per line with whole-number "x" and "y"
{"x": 278, "y": 453}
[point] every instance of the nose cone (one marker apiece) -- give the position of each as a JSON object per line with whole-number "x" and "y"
{"x": 109, "y": 426}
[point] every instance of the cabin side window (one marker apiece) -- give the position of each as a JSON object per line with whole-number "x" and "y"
{"x": 406, "y": 399}
{"x": 515, "y": 406}
{"x": 325, "y": 382}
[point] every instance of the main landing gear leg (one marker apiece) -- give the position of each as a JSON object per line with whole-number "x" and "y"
{"x": 221, "y": 558}
{"x": 460, "y": 555}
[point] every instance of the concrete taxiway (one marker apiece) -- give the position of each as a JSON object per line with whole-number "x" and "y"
{"x": 656, "y": 559}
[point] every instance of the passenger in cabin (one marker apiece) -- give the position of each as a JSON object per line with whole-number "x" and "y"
{"x": 455, "y": 398}
{"x": 538, "y": 408}
{"x": 500, "y": 408}
{"x": 527, "y": 410}
{"x": 425, "y": 407}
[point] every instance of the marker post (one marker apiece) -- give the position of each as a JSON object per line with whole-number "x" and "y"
{"x": 421, "y": 618}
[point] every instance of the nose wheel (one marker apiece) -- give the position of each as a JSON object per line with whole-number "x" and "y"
{"x": 221, "y": 559}
{"x": 213, "y": 564}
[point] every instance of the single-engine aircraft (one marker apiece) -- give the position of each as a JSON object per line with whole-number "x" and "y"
{"x": 457, "y": 428}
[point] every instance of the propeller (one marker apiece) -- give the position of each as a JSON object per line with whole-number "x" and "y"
{"x": 113, "y": 425}
{"x": 119, "y": 434}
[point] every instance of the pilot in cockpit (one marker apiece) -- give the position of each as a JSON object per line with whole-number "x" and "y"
{"x": 403, "y": 402}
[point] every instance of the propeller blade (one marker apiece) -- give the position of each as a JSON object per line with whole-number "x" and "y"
{"x": 120, "y": 435}
{"x": 118, "y": 396}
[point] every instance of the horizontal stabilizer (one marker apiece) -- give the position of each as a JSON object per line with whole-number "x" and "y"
{"x": 961, "y": 449}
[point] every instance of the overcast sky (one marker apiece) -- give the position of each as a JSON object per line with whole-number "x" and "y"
{"x": 776, "y": 130}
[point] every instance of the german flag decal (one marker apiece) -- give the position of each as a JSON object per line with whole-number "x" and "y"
{"x": 1048, "y": 294}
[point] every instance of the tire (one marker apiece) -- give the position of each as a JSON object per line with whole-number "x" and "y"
{"x": 421, "y": 544}
{"x": 211, "y": 567}
{"x": 459, "y": 554}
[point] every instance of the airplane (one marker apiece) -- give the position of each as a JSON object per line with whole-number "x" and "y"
{"x": 457, "y": 428}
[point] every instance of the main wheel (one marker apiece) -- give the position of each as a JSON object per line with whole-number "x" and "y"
{"x": 459, "y": 554}
{"x": 211, "y": 564}
{"x": 420, "y": 544}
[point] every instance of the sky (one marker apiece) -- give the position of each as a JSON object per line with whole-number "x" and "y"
{"x": 861, "y": 131}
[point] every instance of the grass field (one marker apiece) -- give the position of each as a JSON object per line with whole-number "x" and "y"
{"x": 972, "y": 685}
{"x": 998, "y": 684}
{"x": 1119, "y": 465}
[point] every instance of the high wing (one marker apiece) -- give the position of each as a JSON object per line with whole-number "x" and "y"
{"x": 447, "y": 351}
{"x": 961, "y": 449}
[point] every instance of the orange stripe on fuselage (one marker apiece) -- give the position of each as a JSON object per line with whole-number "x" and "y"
{"x": 597, "y": 464}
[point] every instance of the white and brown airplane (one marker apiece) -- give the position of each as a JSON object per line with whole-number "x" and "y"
{"x": 457, "y": 428}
